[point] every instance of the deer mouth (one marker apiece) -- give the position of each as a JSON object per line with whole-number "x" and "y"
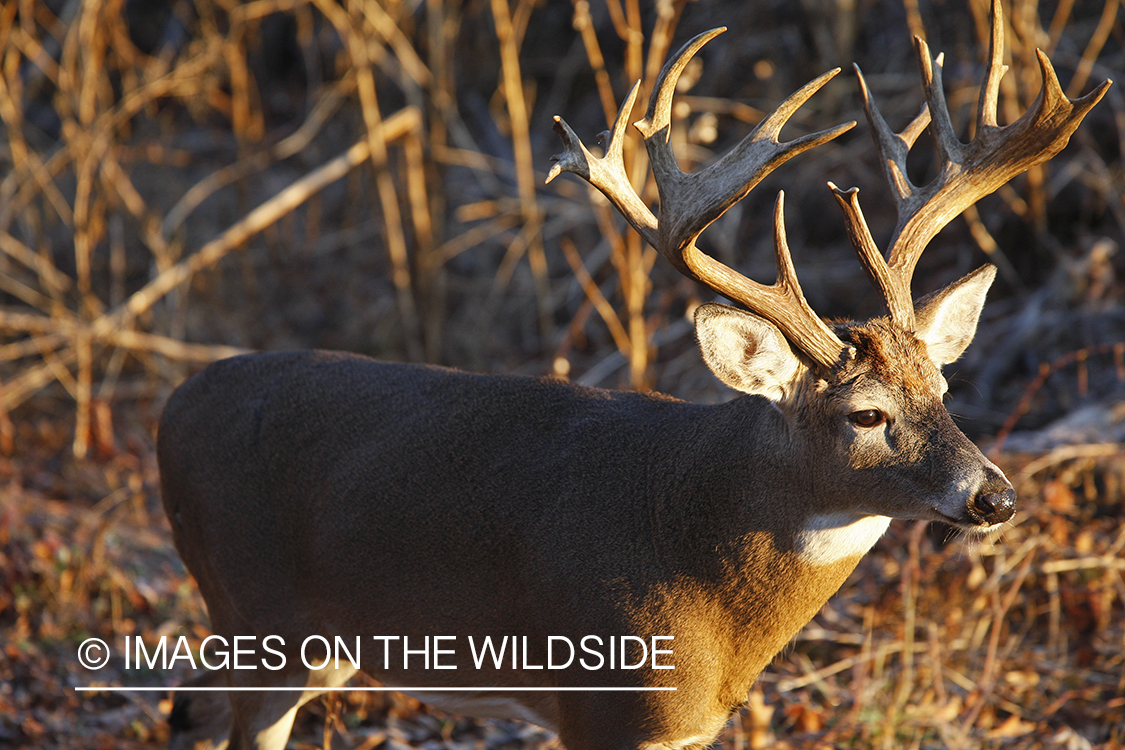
{"x": 964, "y": 523}
{"x": 976, "y": 528}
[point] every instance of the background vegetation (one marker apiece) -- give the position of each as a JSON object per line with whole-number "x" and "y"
{"x": 182, "y": 180}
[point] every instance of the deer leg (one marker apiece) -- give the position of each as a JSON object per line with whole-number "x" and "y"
{"x": 262, "y": 720}
{"x": 201, "y": 719}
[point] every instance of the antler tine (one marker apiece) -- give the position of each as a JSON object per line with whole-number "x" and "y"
{"x": 968, "y": 171}
{"x": 990, "y": 89}
{"x": 659, "y": 112}
{"x": 689, "y": 203}
{"x": 607, "y": 173}
{"x": 784, "y": 303}
{"x": 893, "y": 147}
{"x": 896, "y": 292}
{"x": 949, "y": 147}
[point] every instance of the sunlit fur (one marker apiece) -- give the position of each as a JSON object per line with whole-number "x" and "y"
{"x": 322, "y": 493}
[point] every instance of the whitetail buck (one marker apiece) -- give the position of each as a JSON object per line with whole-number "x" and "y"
{"x": 327, "y": 494}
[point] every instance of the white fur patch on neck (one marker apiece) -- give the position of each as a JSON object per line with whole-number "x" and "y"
{"x": 831, "y": 537}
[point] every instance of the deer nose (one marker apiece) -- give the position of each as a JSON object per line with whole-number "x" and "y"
{"x": 994, "y": 507}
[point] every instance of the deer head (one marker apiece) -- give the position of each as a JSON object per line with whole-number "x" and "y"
{"x": 874, "y": 387}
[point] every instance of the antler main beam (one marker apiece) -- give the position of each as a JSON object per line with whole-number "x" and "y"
{"x": 689, "y": 203}
{"x": 969, "y": 171}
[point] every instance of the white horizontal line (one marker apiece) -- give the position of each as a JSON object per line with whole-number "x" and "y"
{"x": 196, "y": 689}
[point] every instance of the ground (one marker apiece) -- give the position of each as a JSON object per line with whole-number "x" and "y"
{"x": 177, "y": 186}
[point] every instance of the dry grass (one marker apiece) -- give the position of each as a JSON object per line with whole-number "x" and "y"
{"x": 184, "y": 180}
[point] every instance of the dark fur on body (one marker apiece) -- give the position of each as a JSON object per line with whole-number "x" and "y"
{"x": 331, "y": 494}
{"x": 321, "y": 437}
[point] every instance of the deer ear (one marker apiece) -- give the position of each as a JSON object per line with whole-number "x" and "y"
{"x": 947, "y": 319}
{"x": 745, "y": 351}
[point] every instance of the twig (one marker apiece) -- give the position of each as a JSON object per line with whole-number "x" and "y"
{"x": 866, "y": 656}
{"x": 325, "y": 107}
{"x": 512, "y": 83}
{"x": 115, "y": 326}
{"x": 585, "y": 26}
{"x": 988, "y": 245}
{"x": 1068, "y": 453}
{"x": 263, "y": 216}
{"x": 594, "y": 294}
{"x": 1094, "y": 48}
{"x": 1106, "y": 562}
{"x": 1000, "y": 608}
{"x": 1046, "y": 369}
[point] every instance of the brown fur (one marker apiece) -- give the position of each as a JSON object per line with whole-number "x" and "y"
{"x": 329, "y": 494}
{"x": 887, "y": 354}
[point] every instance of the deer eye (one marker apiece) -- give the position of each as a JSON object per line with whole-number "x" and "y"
{"x": 867, "y": 418}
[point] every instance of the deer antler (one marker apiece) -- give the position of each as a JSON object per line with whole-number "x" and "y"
{"x": 968, "y": 171}
{"x": 689, "y": 203}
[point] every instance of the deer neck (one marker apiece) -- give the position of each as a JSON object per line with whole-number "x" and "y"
{"x": 767, "y": 557}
